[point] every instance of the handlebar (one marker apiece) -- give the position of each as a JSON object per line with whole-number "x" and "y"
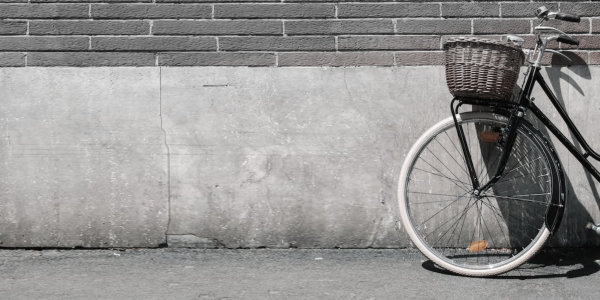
{"x": 567, "y": 17}
{"x": 567, "y": 40}
{"x": 545, "y": 34}
{"x": 544, "y": 14}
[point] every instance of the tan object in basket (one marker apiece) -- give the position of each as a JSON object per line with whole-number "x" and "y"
{"x": 483, "y": 69}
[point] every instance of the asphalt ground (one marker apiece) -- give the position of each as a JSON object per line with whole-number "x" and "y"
{"x": 170, "y": 273}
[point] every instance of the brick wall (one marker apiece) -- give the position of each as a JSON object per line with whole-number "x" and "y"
{"x": 264, "y": 32}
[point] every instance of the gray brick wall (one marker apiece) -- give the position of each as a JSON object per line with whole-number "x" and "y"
{"x": 266, "y": 32}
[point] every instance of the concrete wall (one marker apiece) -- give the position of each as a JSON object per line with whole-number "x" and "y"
{"x": 234, "y": 157}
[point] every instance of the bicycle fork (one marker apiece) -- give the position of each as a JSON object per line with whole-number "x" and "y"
{"x": 555, "y": 210}
{"x": 513, "y": 123}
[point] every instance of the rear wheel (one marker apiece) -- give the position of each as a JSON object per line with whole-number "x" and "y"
{"x": 477, "y": 235}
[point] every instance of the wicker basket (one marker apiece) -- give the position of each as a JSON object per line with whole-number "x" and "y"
{"x": 483, "y": 69}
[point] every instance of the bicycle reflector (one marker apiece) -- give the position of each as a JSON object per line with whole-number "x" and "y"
{"x": 489, "y": 136}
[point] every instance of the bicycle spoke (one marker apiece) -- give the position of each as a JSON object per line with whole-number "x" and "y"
{"x": 435, "y": 194}
{"x": 441, "y": 175}
{"x": 482, "y": 159}
{"x": 497, "y": 221}
{"x": 479, "y": 227}
{"x": 464, "y": 188}
{"x": 448, "y": 242}
{"x": 460, "y": 152}
{"x": 514, "y": 155}
{"x": 482, "y": 167}
{"x": 443, "y": 209}
{"x": 523, "y": 175}
{"x": 459, "y": 235}
{"x": 451, "y": 156}
{"x": 499, "y": 214}
{"x": 518, "y": 199}
{"x": 429, "y": 202}
{"x": 474, "y": 230}
{"x": 487, "y": 228}
{"x": 504, "y": 174}
{"x": 444, "y": 165}
{"x": 460, "y": 214}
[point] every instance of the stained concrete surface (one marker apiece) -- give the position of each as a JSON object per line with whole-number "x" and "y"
{"x": 82, "y": 158}
{"x": 293, "y": 157}
{"x": 309, "y": 157}
{"x": 282, "y": 274}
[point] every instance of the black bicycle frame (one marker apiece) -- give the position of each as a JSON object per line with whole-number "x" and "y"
{"x": 516, "y": 112}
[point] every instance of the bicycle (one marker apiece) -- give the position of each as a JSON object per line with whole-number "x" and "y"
{"x": 480, "y": 192}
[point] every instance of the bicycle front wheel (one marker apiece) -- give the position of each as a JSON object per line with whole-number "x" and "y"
{"x": 469, "y": 234}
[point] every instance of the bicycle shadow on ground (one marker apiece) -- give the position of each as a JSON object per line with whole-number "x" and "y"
{"x": 549, "y": 263}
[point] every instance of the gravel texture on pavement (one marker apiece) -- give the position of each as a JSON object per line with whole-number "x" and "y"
{"x": 169, "y": 273}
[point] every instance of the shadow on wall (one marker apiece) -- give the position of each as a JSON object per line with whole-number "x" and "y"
{"x": 579, "y": 203}
{"x": 572, "y": 229}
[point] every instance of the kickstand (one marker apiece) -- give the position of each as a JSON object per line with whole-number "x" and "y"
{"x": 594, "y": 227}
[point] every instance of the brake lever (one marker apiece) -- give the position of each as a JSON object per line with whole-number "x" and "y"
{"x": 547, "y": 28}
{"x": 559, "y": 53}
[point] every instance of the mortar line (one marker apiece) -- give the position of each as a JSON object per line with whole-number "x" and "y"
{"x": 531, "y": 26}
{"x": 472, "y": 27}
{"x": 500, "y": 10}
{"x": 283, "y": 28}
{"x": 162, "y": 128}
{"x": 587, "y": 56}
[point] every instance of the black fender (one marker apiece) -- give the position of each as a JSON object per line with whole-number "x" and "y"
{"x": 556, "y": 209}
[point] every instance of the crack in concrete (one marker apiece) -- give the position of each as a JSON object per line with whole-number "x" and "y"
{"x": 208, "y": 242}
{"x": 160, "y": 113}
